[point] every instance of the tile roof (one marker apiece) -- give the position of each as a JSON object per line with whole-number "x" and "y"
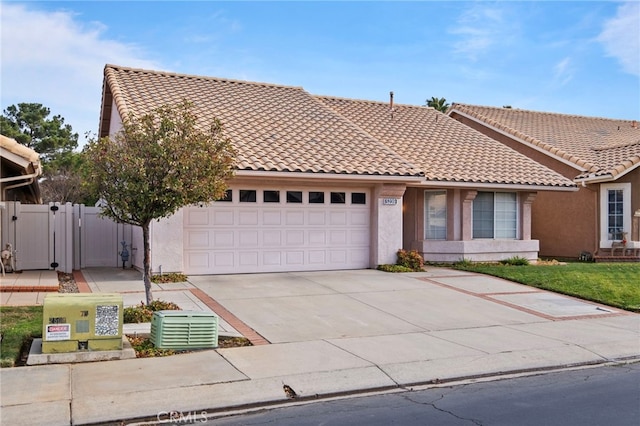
{"x": 597, "y": 146}
{"x": 22, "y": 151}
{"x": 445, "y": 149}
{"x": 273, "y": 128}
{"x": 285, "y": 129}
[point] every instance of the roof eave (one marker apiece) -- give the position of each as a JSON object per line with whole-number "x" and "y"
{"x": 502, "y": 186}
{"x": 517, "y": 139}
{"x": 328, "y": 176}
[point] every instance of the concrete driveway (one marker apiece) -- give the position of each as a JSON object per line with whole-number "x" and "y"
{"x": 440, "y": 314}
{"x": 327, "y": 333}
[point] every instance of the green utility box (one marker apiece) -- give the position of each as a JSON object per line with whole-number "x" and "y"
{"x": 184, "y": 330}
{"x": 81, "y": 322}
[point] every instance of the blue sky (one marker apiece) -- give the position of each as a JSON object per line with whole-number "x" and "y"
{"x": 567, "y": 57}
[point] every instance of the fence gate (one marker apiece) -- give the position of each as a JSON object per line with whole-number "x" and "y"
{"x": 62, "y": 236}
{"x": 97, "y": 239}
{"x": 41, "y": 235}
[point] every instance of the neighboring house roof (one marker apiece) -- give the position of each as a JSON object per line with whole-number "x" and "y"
{"x": 20, "y": 167}
{"x": 445, "y": 149}
{"x": 273, "y": 128}
{"x": 599, "y": 148}
{"x": 285, "y": 129}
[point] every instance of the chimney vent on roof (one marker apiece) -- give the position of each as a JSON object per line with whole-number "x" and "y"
{"x": 391, "y": 110}
{"x": 634, "y": 124}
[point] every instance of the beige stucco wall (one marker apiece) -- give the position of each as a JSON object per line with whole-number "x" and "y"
{"x": 387, "y": 229}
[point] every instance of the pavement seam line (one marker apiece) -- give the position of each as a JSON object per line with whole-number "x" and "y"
{"x": 366, "y": 360}
{"x": 248, "y": 332}
{"x": 488, "y": 297}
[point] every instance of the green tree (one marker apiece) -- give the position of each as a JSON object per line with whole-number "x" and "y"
{"x": 439, "y": 104}
{"x": 156, "y": 164}
{"x": 28, "y": 123}
{"x": 63, "y": 181}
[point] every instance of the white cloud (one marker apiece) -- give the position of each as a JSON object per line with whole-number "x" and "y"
{"x": 621, "y": 37}
{"x": 563, "y": 72}
{"x": 54, "y": 59}
{"x": 479, "y": 28}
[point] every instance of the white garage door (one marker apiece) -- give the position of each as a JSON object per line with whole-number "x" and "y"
{"x": 276, "y": 230}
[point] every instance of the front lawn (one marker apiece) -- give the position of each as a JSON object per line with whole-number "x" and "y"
{"x": 613, "y": 284}
{"x": 18, "y": 325}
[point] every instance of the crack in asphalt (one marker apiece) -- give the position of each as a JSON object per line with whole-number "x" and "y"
{"x": 442, "y": 410}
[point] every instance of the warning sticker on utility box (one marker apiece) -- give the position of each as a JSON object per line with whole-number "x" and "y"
{"x": 57, "y": 332}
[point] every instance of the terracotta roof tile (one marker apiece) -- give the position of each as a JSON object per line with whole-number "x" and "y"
{"x": 272, "y": 127}
{"x": 444, "y": 148}
{"x": 285, "y": 129}
{"x": 597, "y": 146}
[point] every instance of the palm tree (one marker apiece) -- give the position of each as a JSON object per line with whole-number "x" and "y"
{"x": 439, "y": 104}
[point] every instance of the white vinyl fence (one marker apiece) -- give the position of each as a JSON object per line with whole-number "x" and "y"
{"x": 63, "y": 237}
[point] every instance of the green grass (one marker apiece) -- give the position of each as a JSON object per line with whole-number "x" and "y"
{"x": 613, "y": 284}
{"x": 18, "y": 324}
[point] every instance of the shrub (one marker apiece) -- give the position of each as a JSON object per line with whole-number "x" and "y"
{"x": 145, "y": 349}
{"x": 394, "y": 268}
{"x": 143, "y": 313}
{"x": 515, "y": 261}
{"x": 410, "y": 259}
{"x": 172, "y": 277}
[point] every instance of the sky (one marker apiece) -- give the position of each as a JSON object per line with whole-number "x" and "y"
{"x": 570, "y": 57}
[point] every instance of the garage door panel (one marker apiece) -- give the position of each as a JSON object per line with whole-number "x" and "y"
{"x": 359, "y": 218}
{"x": 248, "y": 217}
{"x": 338, "y": 256}
{"x": 236, "y": 237}
{"x": 359, "y": 237}
{"x": 248, "y": 258}
{"x": 223, "y": 239}
{"x": 272, "y": 218}
{"x": 338, "y": 237}
{"x": 198, "y": 217}
{"x": 272, "y": 238}
{"x": 295, "y": 258}
{"x": 338, "y": 218}
{"x": 198, "y": 238}
{"x": 294, "y": 238}
{"x": 272, "y": 258}
{"x": 317, "y": 257}
{"x": 224, "y": 217}
{"x": 199, "y": 260}
{"x": 248, "y": 238}
{"x": 294, "y": 218}
{"x": 359, "y": 256}
{"x": 317, "y": 218}
{"x": 223, "y": 259}
{"x": 317, "y": 237}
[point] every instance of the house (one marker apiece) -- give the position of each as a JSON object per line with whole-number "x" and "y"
{"x": 325, "y": 183}
{"x": 601, "y": 155}
{"x": 19, "y": 171}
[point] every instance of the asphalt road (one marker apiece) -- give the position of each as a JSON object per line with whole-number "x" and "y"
{"x": 608, "y": 395}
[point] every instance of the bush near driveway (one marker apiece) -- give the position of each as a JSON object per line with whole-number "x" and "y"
{"x": 613, "y": 284}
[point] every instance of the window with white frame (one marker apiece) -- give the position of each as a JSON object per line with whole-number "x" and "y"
{"x": 435, "y": 215}
{"x": 495, "y": 215}
{"x": 615, "y": 213}
{"x": 615, "y": 208}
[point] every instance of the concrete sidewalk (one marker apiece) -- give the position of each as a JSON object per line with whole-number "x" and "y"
{"x": 27, "y": 288}
{"x": 331, "y": 333}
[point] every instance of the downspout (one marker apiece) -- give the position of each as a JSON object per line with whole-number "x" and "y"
{"x": 31, "y": 179}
